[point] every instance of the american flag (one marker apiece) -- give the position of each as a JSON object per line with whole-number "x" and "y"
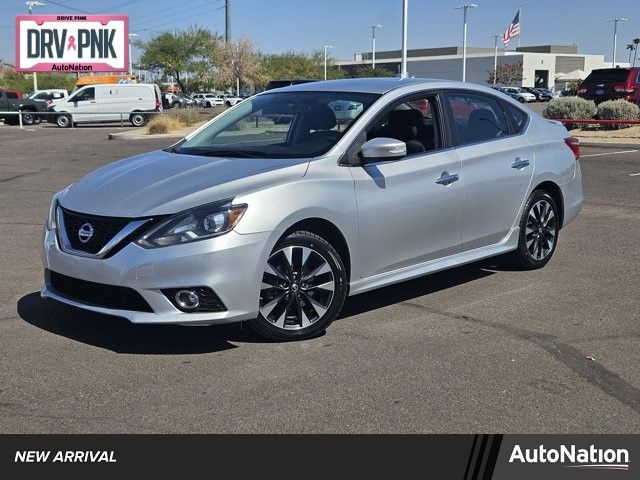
{"x": 513, "y": 30}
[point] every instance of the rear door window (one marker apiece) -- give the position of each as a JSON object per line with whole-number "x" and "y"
{"x": 477, "y": 117}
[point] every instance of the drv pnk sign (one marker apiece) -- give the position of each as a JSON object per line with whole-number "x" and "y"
{"x": 72, "y": 43}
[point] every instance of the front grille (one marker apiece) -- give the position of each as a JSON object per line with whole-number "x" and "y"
{"x": 209, "y": 301}
{"x": 98, "y": 294}
{"x": 104, "y": 229}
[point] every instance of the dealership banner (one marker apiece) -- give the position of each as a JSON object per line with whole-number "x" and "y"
{"x": 72, "y": 43}
{"x": 464, "y": 457}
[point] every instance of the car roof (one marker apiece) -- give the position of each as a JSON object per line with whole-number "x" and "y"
{"x": 363, "y": 85}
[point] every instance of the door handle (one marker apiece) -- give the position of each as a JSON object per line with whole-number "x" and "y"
{"x": 520, "y": 163}
{"x": 447, "y": 178}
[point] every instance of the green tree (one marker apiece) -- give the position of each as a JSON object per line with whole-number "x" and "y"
{"x": 507, "y": 74}
{"x": 296, "y": 65}
{"x": 365, "y": 71}
{"x": 46, "y": 81}
{"x": 182, "y": 53}
{"x": 632, "y": 48}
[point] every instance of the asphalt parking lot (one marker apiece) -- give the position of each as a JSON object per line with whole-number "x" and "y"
{"x": 479, "y": 348}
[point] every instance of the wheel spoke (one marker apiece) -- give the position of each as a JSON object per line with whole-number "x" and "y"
{"x": 268, "y": 307}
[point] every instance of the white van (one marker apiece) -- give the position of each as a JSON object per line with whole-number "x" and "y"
{"x": 109, "y": 103}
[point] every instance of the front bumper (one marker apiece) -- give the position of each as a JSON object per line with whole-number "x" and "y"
{"x": 231, "y": 265}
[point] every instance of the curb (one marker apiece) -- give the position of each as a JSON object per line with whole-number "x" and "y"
{"x": 633, "y": 146}
{"x": 134, "y": 135}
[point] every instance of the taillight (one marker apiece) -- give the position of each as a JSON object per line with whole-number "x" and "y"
{"x": 623, "y": 88}
{"x": 574, "y": 144}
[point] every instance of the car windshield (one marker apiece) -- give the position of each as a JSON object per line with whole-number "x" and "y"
{"x": 280, "y": 125}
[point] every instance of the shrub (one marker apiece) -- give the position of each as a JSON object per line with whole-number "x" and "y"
{"x": 618, "y": 110}
{"x": 180, "y": 118}
{"x": 164, "y": 124}
{"x": 572, "y": 107}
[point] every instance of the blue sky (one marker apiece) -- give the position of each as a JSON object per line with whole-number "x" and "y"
{"x": 281, "y": 25}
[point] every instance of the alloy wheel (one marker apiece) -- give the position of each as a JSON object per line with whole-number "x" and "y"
{"x": 298, "y": 286}
{"x": 541, "y": 230}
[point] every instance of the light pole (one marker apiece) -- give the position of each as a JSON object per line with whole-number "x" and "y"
{"x": 373, "y": 45}
{"x": 615, "y": 37}
{"x": 30, "y": 4}
{"x": 131, "y": 35}
{"x": 495, "y": 57}
{"x": 464, "y": 8}
{"x": 326, "y": 47}
{"x": 405, "y": 19}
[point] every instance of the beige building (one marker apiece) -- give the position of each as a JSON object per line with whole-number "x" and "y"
{"x": 541, "y": 65}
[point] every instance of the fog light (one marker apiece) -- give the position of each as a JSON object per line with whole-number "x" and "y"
{"x": 187, "y": 299}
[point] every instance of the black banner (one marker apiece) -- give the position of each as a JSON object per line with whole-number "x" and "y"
{"x": 466, "y": 457}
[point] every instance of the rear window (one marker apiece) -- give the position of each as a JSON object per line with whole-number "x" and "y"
{"x": 12, "y": 95}
{"x": 517, "y": 116}
{"x": 617, "y": 75}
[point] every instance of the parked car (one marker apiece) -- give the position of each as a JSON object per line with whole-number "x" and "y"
{"x": 541, "y": 94}
{"x": 287, "y": 83}
{"x": 109, "y": 103}
{"x": 181, "y": 100}
{"x": 208, "y": 99}
{"x": 345, "y": 111}
{"x": 48, "y": 95}
{"x": 278, "y": 228}
{"x": 230, "y": 100}
{"x": 519, "y": 94}
{"x": 12, "y": 101}
{"x": 611, "y": 84}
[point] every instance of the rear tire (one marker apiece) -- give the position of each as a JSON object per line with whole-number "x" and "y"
{"x": 63, "y": 120}
{"x": 138, "y": 119}
{"x": 539, "y": 228}
{"x": 304, "y": 286}
{"x": 521, "y": 99}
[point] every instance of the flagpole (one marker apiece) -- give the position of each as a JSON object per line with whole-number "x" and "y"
{"x": 520, "y": 18}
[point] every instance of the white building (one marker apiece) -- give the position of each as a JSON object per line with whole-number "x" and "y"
{"x": 541, "y": 65}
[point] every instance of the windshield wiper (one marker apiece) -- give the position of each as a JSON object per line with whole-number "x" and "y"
{"x": 223, "y": 153}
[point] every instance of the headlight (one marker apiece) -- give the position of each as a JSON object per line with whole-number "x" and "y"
{"x": 51, "y": 219}
{"x": 193, "y": 225}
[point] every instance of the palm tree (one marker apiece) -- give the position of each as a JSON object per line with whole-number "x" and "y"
{"x": 632, "y": 48}
{"x": 636, "y": 42}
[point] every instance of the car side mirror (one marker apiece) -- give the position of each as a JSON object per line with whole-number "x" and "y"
{"x": 382, "y": 149}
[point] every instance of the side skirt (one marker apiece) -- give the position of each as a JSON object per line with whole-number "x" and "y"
{"x": 407, "y": 273}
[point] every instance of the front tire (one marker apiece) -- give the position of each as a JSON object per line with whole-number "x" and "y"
{"x": 539, "y": 227}
{"x": 28, "y": 117}
{"x": 304, "y": 286}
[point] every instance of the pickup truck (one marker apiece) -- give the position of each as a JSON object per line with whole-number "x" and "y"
{"x": 10, "y": 103}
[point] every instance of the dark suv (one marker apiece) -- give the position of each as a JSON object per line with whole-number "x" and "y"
{"x": 612, "y": 84}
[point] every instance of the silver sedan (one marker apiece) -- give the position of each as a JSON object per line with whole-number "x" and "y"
{"x": 276, "y": 211}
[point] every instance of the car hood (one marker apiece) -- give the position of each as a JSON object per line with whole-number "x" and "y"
{"x": 161, "y": 182}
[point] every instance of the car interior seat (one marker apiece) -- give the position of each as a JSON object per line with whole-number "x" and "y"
{"x": 407, "y": 125}
{"x": 482, "y": 124}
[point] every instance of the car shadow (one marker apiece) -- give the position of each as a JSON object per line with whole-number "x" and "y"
{"x": 422, "y": 286}
{"x": 119, "y": 335}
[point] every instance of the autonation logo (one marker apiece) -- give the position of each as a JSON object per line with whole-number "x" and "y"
{"x": 574, "y": 457}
